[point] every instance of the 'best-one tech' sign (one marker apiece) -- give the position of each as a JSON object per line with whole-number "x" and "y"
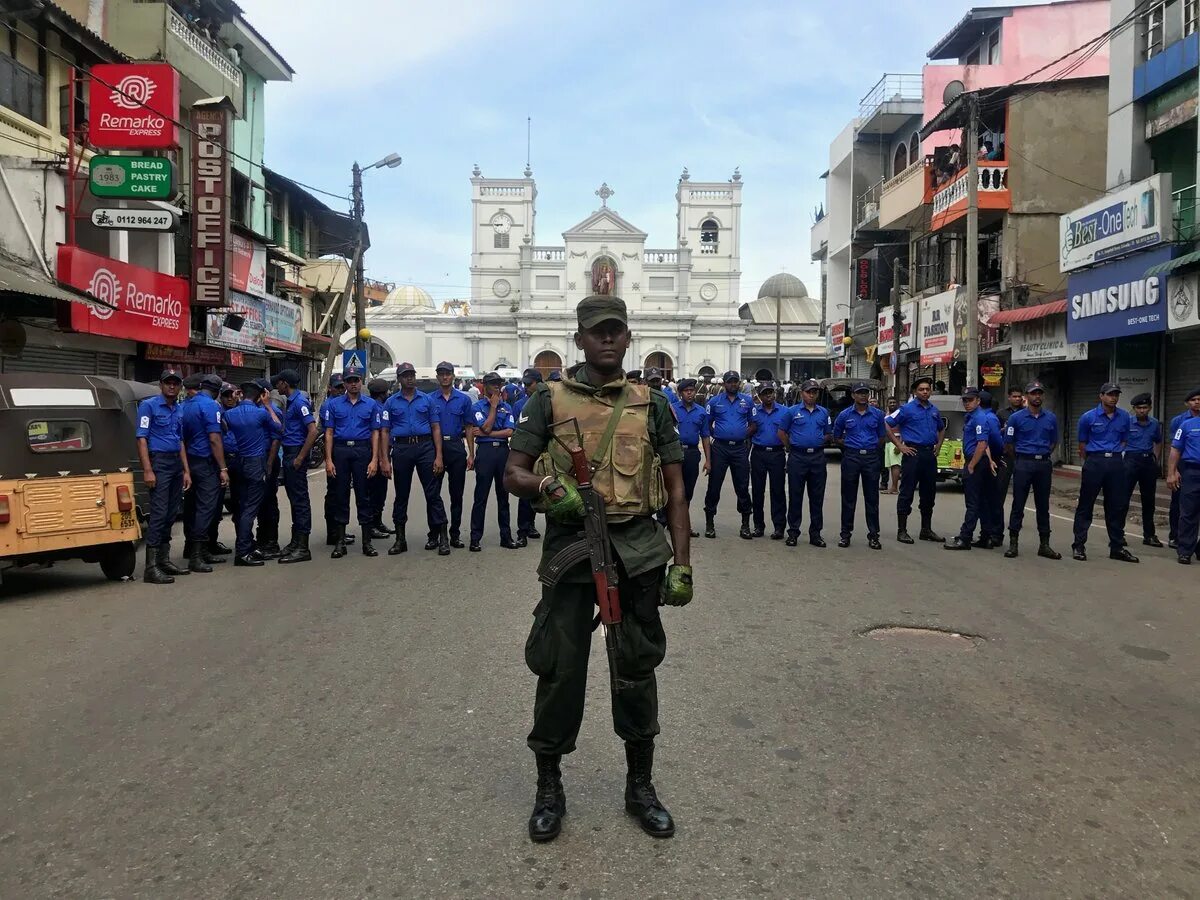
{"x": 1118, "y": 299}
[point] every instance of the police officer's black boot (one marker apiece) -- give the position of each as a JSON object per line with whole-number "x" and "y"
{"x": 368, "y": 549}
{"x": 902, "y": 534}
{"x": 400, "y": 545}
{"x": 710, "y": 527}
{"x": 195, "y": 557}
{"x": 432, "y": 541}
{"x": 927, "y": 532}
{"x": 209, "y": 555}
{"x": 216, "y": 548}
{"x": 443, "y": 542}
{"x": 550, "y": 803}
{"x": 746, "y": 534}
{"x": 299, "y": 551}
{"x": 1011, "y": 552}
{"x": 377, "y": 531}
{"x": 640, "y": 799}
{"x": 339, "y": 542}
{"x": 164, "y": 562}
{"x": 270, "y": 549}
{"x": 152, "y": 574}
{"x": 1044, "y": 549}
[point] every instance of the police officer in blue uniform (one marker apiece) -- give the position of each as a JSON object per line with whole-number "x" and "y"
{"x": 299, "y": 435}
{"x": 377, "y": 485}
{"x": 337, "y": 388}
{"x": 1183, "y": 477}
{"x": 768, "y": 462}
{"x": 256, "y": 428}
{"x": 1030, "y": 436}
{"x": 860, "y": 432}
{"x": 201, "y": 428}
{"x": 526, "y": 516}
{"x": 492, "y": 427}
{"x": 165, "y": 472}
{"x": 979, "y": 471}
{"x": 228, "y": 398}
{"x": 1192, "y": 411}
{"x": 352, "y": 423}
{"x": 692, "y": 421}
{"x": 991, "y": 506}
{"x": 731, "y": 428}
{"x": 808, "y": 432}
{"x": 412, "y": 442}
{"x": 917, "y": 429}
{"x": 1102, "y": 434}
{"x": 454, "y": 416}
{"x": 1142, "y": 461}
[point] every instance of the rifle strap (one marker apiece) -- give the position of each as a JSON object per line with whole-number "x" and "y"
{"x": 613, "y": 421}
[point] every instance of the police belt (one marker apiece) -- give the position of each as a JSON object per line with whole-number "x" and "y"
{"x": 767, "y": 447}
{"x": 1037, "y": 457}
{"x": 799, "y": 450}
{"x": 495, "y": 442}
{"x": 691, "y": 446}
{"x": 870, "y": 451}
{"x": 726, "y": 443}
{"x": 1105, "y": 454}
{"x": 355, "y": 443}
{"x": 1139, "y": 454}
{"x": 164, "y": 452}
{"x": 919, "y": 446}
{"x": 412, "y": 439}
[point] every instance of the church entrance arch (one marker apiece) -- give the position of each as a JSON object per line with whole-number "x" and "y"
{"x": 764, "y": 375}
{"x": 604, "y": 275}
{"x": 707, "y": 372}
{"x": 546, "y": 362}
{"x": 661, "y": 361}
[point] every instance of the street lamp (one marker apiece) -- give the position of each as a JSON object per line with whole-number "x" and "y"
{"x": 360, "y": 299}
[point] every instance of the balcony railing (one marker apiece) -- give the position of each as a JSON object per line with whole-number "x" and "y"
{"x": 660, "y": 257}
{"x": 950, "y": 203}
{"x": 1183, "y": 208}
{"x": 202, "y": 47}
{"x": 890, "y": 88}
{"x": 549, "y": 254}
{"x": 866, "y": 208}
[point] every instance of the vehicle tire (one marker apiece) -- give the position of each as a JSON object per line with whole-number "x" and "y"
{"x": 120, "y": 562}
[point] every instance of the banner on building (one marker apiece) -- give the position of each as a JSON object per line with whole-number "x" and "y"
{"x": 1129, "y": 219}
{"x": 937, "y": 328}
{"x": 281, "y": 324}
{"x": 137, "y": 304}
{"x": 908, "y": 317}
{"x": 194, "y": 354}
{"x": 247, "y": 266}
{"x": 836, "y": 347}
{"x": 1118, "y": 299}
{"x": 133, "y": 106}
{"x": 1045, "y": 340}
{"x": 250, "y": 336}
{"x": 210, "y": 203}
{"x": 1183, "y": 302}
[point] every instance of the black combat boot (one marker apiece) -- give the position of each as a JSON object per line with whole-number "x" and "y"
{"x": 759, "y": 531}
{"x": 431, "y": 542}
{"x": 1011, "y": 552}
{"x": 195, "y": 557}
{"x": 746, "y": 534}
{"x": 443, "y": 542}
{"x": 216, "y": 548}
{"x": 368, "y": 549}
{"x": 710, "y": 527}
{"x": 376, "y": 532}
{"x": 550, "y": 802}
{"x": 927, "y": 532}
{"x": 164, "y": 562}
{"x": 339, "y": 542}
{"x": 152, "y": 574}
{"x": 299, "y": 551}
{"x": 1044, "y": 549}
{"x": 534, "y": 534}
{"x": 270, "y": 549}
{"x": 640, "y": 799}
{"x": 902, "y": 534}
{"x": 400, "y": 545}
{"x": 209, "y": 555}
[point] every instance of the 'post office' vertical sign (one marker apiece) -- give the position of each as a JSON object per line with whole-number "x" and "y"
{"x": 210, "y": 205}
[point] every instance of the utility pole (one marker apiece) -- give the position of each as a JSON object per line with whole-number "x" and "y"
{"x": 360, "y": 298}
{"x": 972, "y": 150}
{"x": 897, "y": 326}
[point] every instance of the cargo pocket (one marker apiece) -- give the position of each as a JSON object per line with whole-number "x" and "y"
{"x": 627, "y": 465}
{"x": 643, "y": 642}
{"x": 540, "y": 653}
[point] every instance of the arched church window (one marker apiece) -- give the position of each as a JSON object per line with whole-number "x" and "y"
{"x": 709, "y": 234}
{"x": 900, "y": 161}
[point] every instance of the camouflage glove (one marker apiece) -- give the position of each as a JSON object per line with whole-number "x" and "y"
{"x": 677, "y": 586}
{"x": 566, "y": 508}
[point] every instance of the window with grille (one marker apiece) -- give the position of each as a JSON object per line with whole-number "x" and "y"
{"x": 1191, "y": 9}
{"x": 1153, "y": 23}
{"x": 22, "y": 90}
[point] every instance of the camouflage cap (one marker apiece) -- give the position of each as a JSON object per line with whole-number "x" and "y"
{"x": 598, "y": 308}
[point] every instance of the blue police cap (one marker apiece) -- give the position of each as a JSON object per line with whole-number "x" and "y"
{"x": 766, "y": 386}
{"x": 289, "y": 376}
{"x": 405, "y": 368}
{"x": 493, "y": 378}
{"x": 556, "y": 375}
{"x": 352, "y": 369}
{"x": 170, "y": 375}
{"x": 1034, "y": 386}
{"x": 860, "y": 387}
{"x": 212, "y": 382}
{"x": 922, "y": 379}
{"x": 1110, "y": 387}
{"x": 970, "y": 393}
{"x": 731, "y": 375}
{"x": 685, "y": 383}
{"x": 444, "y": 366}
{"x": 335, "y": 380}
{"x": 1193, "y": 394}
{"x": 251, "y": 387}
{"x": 192, "y": 382}
{"x": 811, "y": 385}
{"x": 263, "y": 385}
{"x": 1140, "y": 400}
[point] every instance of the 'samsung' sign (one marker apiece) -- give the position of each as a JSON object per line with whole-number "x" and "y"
{"x": 1130, "y": 219}
{"x": 1117, "y": 299}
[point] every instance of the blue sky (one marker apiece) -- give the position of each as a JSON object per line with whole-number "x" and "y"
{"x": 626, "y": 92}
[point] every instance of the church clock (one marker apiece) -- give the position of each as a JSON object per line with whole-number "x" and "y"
{"x": 502, "y": 223}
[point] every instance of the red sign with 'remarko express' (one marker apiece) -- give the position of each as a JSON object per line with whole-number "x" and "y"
{"x": 133, "y": 106}
{"x": 139, "y": 304}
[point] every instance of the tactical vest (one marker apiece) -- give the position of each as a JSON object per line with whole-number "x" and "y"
{"x": 628, "y": 475}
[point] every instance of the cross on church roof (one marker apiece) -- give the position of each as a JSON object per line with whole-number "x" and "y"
{"x": 604, "y": 193}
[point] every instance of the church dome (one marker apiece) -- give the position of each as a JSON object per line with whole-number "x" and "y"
{"x": 409, "y": 296}
{"x": 783, "y": 285}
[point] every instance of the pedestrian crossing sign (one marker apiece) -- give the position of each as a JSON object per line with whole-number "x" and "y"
{"x": 354, "y": 362}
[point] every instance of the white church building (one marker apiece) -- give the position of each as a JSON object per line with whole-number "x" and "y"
{"x": 686, "y": 312}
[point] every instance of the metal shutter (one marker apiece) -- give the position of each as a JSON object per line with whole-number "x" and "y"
{"x": 1183, "y": 372}
{"x": 68, "y": 362}
{"x": 1083, "y": 392}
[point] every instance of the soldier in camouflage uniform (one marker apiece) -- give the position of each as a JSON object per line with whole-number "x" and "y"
{"x": 643, "y": 443}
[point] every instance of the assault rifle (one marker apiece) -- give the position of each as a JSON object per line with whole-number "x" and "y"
{"x": 592, "y": 545}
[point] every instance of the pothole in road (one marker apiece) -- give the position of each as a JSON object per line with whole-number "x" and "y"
{"x": 923, "y": 636}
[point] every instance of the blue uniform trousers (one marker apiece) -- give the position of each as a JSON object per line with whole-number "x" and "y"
{"x": 768, "y": 464}
{"x": 251, "y": 487}
{"x": 268, "y": 510}
{"x": 490, "y": 460}
{"x": 860, "y": 466}
{"x": 233, "y": 461}
{"x": 918, "y": 474}
{"x": 729, "y": 456}
{"x": 1004, "y": 475}
{"x": 165, "y": 496}
{"x": 1189, "y": 509}
{"x": 406, "y": 459}
{"x": 1141, "y": 473}
{"x": 978, "y": 491}
{"x": 454, "y": 464}
{"x": 691, "y": 470}
{"x": 1033, "y": 474}
{"x": 377, "y": 488}
{"x": 200, "y": 504}
{"x": 806, "y": 469}
{"x": 295, "y": 483}
{"x": 350, "y": 460}
{"x": 1173, "y": 517}
{"x": 1102, "y": 472}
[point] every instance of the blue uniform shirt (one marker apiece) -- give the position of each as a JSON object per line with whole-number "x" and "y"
{"x": 252, "y": 427}
{"x": 351, "y": 421}
{"x": 995, "y": 435}
{"x": 520, "y": 404}
{"x": 409, "y": 418}
{"x": 160, "y": 423}
{"x": 1186, "y": 438}
{"x": 453, "y": 414}
{"x": 727, "y": 419}
{"x": 769, "y": 425}
{"x": 671, "y": 395}
{"x": 296, "y": 419}
{"x": 228, "y": 438}
{"x": 504, "y": 419}
{"x": 1142, "y": 438}
{"x": 1100, "y": 434}
{"x": 976, "y": 427}
{"x": 693, "y": 423}
{"x": 1179, "y": 420}
{"x": 860, "y": 431}
{"x": 808, "y": 429}
{"x": 917, "y": 423}
{"x": 201, "y": 417}
{"x": 1032, "y": 435}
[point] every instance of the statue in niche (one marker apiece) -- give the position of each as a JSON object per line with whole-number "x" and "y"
{"x": 604, "y": 276}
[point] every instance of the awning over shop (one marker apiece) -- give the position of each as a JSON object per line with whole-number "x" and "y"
{"x": 19, "y": 280}
{"x": 1179, "y": 263}
{"x": 1028, "y": 313}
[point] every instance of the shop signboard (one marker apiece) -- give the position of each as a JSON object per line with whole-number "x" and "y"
{"x": 281, "y": 321}
{"x": 1133, "y": 218}
{"x": 195, "y": 354}
{"x": 1118, "y": 299}
{"x": 937, "y": 328}
{"x": 1045, "y": 340}
{"x": 133, "y": 106}
{"x": 1183, "y": 301}
{"x": 247, "y": 266}
{"x": 837, "y": 339}
{"x": 132, "y": 177}
{"x": 908, "y": 316}
{"x": 249, "y": 336}
{"x": 210, "y": 203}
{"x": 136, "y": 304}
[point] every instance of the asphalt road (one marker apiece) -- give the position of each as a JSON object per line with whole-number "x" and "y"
{"x": 356, "y": 728}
